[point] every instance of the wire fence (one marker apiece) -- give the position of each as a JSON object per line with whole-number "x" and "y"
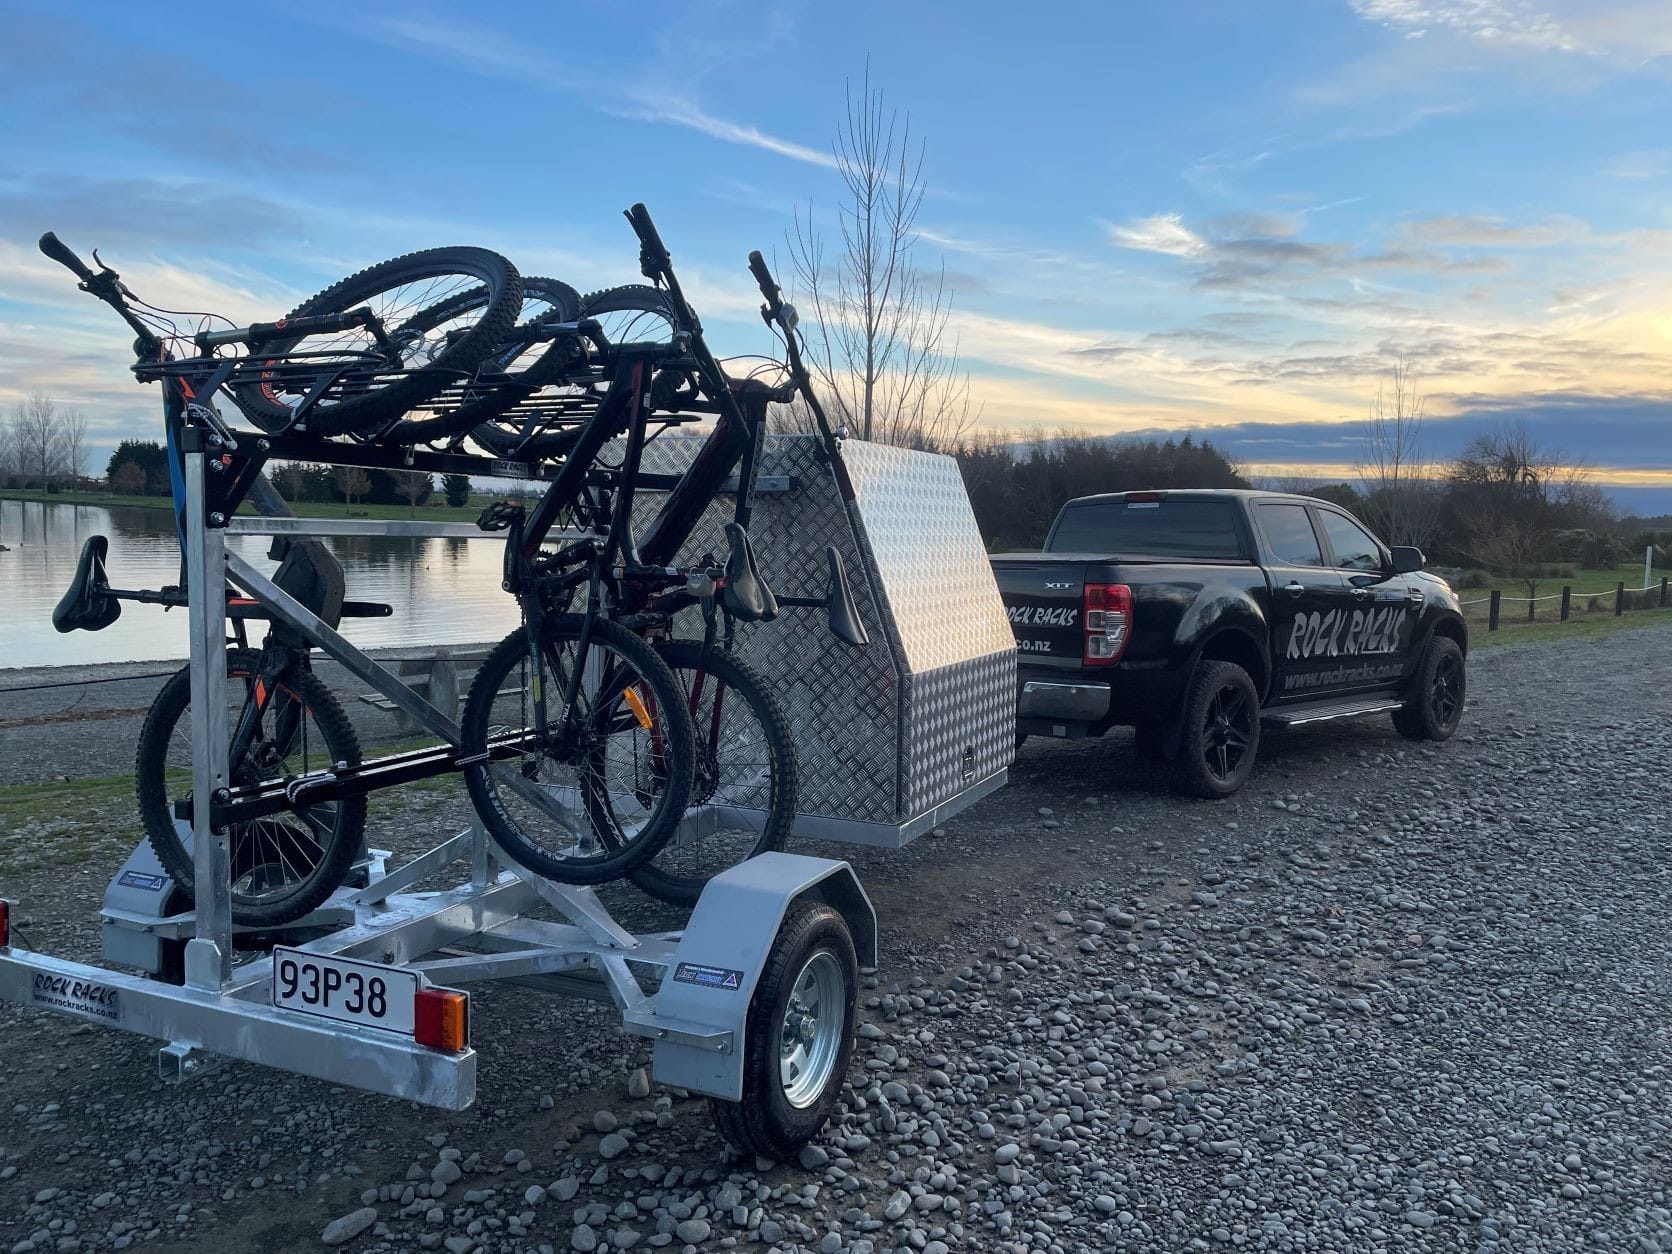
{"x": 1616, "y": 601}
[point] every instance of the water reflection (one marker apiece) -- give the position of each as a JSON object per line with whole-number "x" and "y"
{"x": 443, "y": 591}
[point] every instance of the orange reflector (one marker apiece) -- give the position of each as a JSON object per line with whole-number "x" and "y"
{"x": 637, "y": 705}
{"x": 441, "y": 1019}
{"x": 5, "y": 923}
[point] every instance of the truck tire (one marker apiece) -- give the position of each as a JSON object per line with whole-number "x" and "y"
{"x": 1435, "y": 706}
{"x": 1220, "y": 731}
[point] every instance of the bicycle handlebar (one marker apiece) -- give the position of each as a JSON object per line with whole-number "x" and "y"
{"x": 654, "y": 259}
{"x": 106, "y": 284}
{"x": 260, "y": 332}
{"x": 763, "y": 278}
{"x": 60, "y": 252}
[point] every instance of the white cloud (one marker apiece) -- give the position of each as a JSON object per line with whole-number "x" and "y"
{"x": 1475, "y": 231}
{"x": 1163, "y": 233}
{"x": 678, "y": 111}
{"x": 1629, "y": 31}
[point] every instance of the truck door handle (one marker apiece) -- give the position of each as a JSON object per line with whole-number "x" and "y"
{"x": 1362, "y": 594}
{"x": 1294, "y": 587}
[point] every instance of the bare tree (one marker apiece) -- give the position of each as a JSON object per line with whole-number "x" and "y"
{"x": 414, "y": 486}
{"x": 35, "y": 431}
{"x": 881, "y": 341}
{"x": 1512, "y": 543}
{"x": 72, "y": 443}
{"x": 351, "y": 482}
{"x": 1401, "y": 499}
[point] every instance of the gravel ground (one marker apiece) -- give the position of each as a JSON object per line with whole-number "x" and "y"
{"x": 1393, "y": 996}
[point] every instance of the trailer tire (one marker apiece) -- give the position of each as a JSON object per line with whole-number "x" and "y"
{"x": 808, "y": 985}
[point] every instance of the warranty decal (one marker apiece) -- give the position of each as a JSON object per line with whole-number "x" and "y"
{"x": 708, "y": 977}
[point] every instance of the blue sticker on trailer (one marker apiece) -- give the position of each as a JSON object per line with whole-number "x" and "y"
{"x": 143, "y": 879}
{"x": 708, "y": 977}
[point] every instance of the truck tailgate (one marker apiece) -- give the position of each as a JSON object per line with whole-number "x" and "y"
{"x": 1044, "y": 595}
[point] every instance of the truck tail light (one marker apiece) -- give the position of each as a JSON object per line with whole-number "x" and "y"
{"x": 1108, "y": 622}
{"x": 441, "y": 1019}
{"x": 5, "y": 923}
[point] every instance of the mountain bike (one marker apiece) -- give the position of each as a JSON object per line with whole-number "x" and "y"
{"x": 743, "y": 788}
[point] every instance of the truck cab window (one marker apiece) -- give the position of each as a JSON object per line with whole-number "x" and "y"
{"x": 1355, "y": 548}
{"x": 1289, "y": 532}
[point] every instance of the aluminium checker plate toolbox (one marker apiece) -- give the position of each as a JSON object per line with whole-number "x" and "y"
{"x": 894, "y": 737}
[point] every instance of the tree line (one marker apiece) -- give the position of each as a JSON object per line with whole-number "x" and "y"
{"x": 42, "y": 446}
{"x": 140, "y": 468}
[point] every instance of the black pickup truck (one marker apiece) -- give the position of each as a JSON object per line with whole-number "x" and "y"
{"x": 1196, "y": 616}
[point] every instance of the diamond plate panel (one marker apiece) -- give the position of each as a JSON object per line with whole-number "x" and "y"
{"x": 842, "y": 703}
{"x": 881, "y": 733}
{"x": 928, "y": 555}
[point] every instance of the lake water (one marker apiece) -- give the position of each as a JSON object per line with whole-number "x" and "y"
{"x": 442, "y": 591}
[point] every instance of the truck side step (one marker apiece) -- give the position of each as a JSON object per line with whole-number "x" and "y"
{"x": 1295, "y": 715}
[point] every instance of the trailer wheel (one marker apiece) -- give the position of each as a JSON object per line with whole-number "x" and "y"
{"x": 798, "y": 1036}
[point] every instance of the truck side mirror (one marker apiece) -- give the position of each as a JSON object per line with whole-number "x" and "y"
{"x": 1407, "y": 560}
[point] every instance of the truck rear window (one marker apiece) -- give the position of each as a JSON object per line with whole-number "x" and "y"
{"x": 1189, "y": 527}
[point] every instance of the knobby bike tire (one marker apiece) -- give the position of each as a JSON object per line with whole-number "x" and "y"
{"x": 665, "y": 876}
{"x": 504, "y": 377}
{"x": 366, "y": 411}
{"x": 340, "y": 844}
{"x": 669, "y": 787}
{"x": 633, "y": 298}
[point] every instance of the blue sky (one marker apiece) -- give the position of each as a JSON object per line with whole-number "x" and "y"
{"x": 1204, "y": 216}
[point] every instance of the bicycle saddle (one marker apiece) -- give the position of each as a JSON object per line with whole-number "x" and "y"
{"x": 746, "y": 596}
{"x": 840, "y": 611}
{"x": 88, "y": 605}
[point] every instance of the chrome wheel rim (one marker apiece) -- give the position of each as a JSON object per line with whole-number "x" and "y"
{"x": 810, "y": 1034}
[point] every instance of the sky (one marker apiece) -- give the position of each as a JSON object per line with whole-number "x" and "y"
{"x": 1228, "y": 219}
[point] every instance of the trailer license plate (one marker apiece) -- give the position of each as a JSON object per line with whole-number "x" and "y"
{"x": 349, "y": 991}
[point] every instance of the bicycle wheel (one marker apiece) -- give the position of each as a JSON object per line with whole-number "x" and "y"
{"x": 627, "y": 737}
{"x": 520, "y": 363}
{"x": 428, "y": 357}
{"x": 743, "y": 790}
{"x": 284, "y": 865}
{"x": 635, "y": 313}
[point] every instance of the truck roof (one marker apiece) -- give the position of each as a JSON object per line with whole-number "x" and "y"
{"x": 1159, "y": 492}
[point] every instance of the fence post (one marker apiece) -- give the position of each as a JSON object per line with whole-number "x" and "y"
{"x": 1492, "y": 610}
{"x": 1619, "y": 598}
{"x": 1663, "y": 592}
{"x": 1532, "y": 604}
{"x": 1567, "y": 600}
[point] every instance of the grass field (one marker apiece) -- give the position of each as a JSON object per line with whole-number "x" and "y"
{"x": 1551, "y": 631}
{"x": 1585, "y": 583}
{"x": 435, "y": 509}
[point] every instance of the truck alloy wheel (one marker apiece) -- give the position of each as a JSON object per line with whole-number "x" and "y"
{"x": 1220, "y": 731}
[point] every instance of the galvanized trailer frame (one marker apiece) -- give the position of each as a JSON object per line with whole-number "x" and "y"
{"x": 893, "y": 738}
{"x": 480, "y": 930}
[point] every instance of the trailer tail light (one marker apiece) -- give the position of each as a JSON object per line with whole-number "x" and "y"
{"x": 441, "y": 1019}
{"x": 1108, "y": 622}
{"x": 5, "y": 923}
